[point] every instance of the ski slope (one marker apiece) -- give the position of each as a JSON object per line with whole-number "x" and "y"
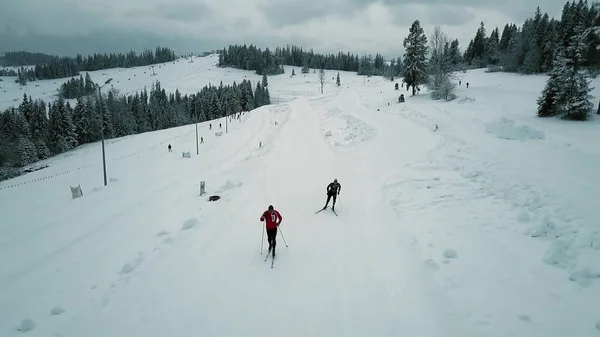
{"x": 485, "y": 226}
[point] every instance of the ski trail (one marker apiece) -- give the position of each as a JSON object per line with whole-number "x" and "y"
{"x": 355, "y": 278}
{"x": 340, "y": 276}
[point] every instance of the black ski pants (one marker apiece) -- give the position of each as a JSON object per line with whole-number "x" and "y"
{"x": 329, "y": 198}
{"x": 271, "y": 235}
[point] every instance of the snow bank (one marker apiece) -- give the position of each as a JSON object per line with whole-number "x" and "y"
{"x": 190, "y": 223}
{"x": 343, "y": 129}
{"x": 507, "y": 129}
{"x": 26, "y": 325}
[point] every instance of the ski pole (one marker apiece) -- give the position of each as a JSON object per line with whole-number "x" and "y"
{"x": 280, "y": 232}
{"x": 262, "y": 240}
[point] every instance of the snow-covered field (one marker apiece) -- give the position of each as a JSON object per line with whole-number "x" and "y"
{"x": 485, "y": 226}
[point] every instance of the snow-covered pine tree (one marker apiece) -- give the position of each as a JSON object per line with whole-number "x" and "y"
{"x": 38, "y": 128}
{"x": 415, "y": 58}
{"x": 25, "y": 151}
{"x": 56, "y": 140}
{"x": 548, "y": 104}
{"x": 567, "y": 91}
{"x": 258, "y": 95}
{"x": 575, "y": 95}
{"x": 66, "y": 127}
{"x": 81, "y": 121}
{"x": 214, "y": 106}
{"x": 265, "y": 82}
{"x": 94, "y": 122}
{"x": 266, "y": 96}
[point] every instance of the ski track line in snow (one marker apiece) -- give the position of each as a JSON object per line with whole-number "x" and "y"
{"x": 371, "y": 194}
{"x": 367, "y": 228}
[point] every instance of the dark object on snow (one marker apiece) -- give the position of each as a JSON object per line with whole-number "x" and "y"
{"x": 396, "y": 86}
{"x": 401, "y": 98}
{"x": 170, "y": 148}
{"x": 214, "y": 198}
{"x": 467, "y": 85}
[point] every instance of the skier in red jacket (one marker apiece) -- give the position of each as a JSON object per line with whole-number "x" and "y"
{"x": 273, "y": 219}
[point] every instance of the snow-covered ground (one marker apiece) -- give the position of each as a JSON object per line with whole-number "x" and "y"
{"x": 485, "y": 226}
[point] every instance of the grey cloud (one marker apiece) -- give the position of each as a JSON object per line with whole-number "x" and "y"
{"x": 68, "y": 27}
{"x": 449, "y": 12}
{"x": 442, "y": 14}
{"x": 293, "y": 12}
{"x": 177, "y": 11}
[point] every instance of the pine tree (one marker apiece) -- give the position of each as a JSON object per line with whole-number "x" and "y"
{"x": 214, "y": 107}
{"x": 567, "y": 92}
{"x": 548, "y": 105}
{"x": 38, "y": 129}
{"x": 267, "y": 96}
{"x": 258, "y": 95}
{"x": 265, "y": 83}
{"x": 415, "y": 58}
{"x": 66, "y": 127}
{"x": 57, "y": 142}
{"x": 337, "y": 81}
{"x": 575, "y": 96}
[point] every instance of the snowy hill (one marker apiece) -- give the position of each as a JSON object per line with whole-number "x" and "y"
{"x": 467, "y": 218}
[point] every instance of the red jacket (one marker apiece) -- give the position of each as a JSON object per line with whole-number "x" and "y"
{"x": 273, "y": 220}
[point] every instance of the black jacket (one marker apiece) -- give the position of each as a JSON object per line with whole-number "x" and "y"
{"x": 334, "y": 188}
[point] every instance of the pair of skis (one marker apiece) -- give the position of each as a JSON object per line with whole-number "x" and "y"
{"x": 322, "y": 209}
{"x": 272, "y": 258}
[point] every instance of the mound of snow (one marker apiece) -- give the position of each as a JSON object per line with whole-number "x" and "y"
{"x": 26, "y": 325}
{"x": 129, "y": 267}
{"x": 57, "y": 311}
{"x": 584, "y": 277}
{"x": 162, "y": 233}
{"x": 343, "y": 129}
{"x": 190, "y": 223}
{"x": 229, "y": 185}
{"x": 506, "y": 129}
{"x": 450, "y": 254}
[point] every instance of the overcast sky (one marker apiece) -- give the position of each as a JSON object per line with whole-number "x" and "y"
{"x": 68, "y": 27}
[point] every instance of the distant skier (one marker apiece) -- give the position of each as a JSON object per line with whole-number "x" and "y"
{"x": 170, "y": 150}
{"x": 273, "y": 219}
{"x": 333, "y": 190}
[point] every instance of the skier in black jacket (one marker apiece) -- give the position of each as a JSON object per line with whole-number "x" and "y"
{"x": 333, "y": 190}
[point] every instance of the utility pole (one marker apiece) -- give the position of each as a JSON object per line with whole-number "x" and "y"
{"x": 102, "y": 126}
{"x": 197, "y": 148}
